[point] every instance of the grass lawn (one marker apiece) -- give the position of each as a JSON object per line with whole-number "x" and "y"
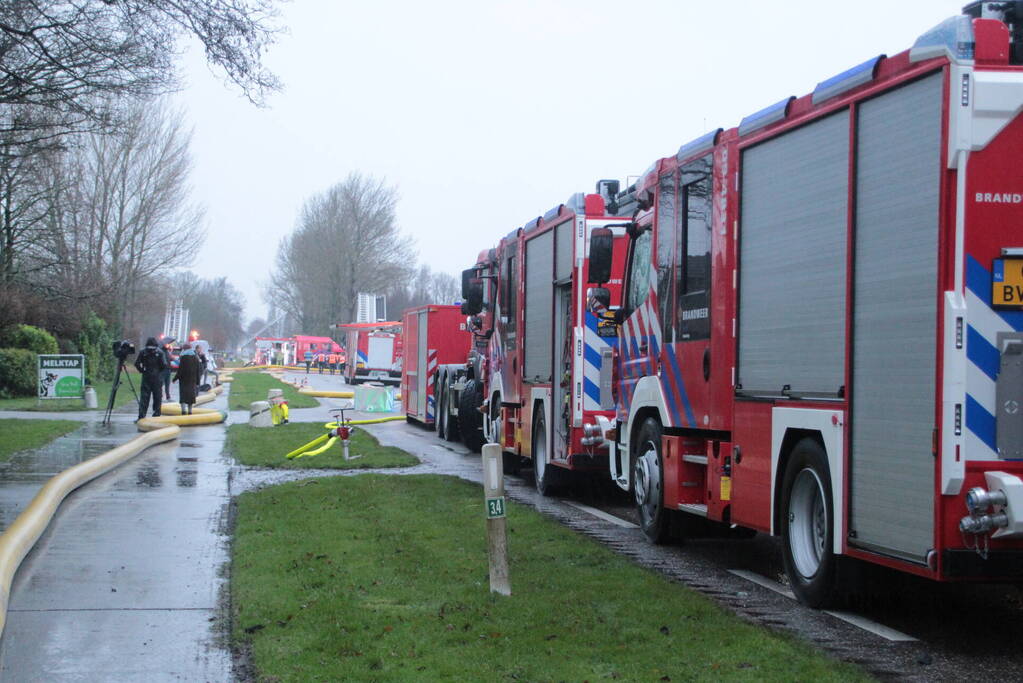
{"x": 384, "y": 578}
{"x": 62, "y": 405}
{"x": 21, "y": 435}
{"x": 252, "y": 386}
{"x": 267, "y": 446}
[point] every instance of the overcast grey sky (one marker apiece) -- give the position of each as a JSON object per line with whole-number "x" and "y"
{"x": 486, "y": 113}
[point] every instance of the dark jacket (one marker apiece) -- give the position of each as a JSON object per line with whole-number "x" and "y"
{"x": 151, "y": 361}
{"x": 187, "y": 377}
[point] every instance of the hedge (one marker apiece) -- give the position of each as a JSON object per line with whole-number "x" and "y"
{"x": 17, "y": 373}
{"x": 29, "y": 337}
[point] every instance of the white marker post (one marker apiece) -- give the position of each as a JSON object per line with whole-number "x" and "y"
{"x": 497, "y": 533}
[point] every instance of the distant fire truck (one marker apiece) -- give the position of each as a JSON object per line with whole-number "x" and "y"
{"x": 432, "y": 335}
{"x": 545, "y": 385}
{"x": 822, "y": 328}
{"x": 374, "y": 352}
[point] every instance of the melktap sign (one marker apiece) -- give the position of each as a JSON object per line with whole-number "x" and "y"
{"x": 61, "y": 376}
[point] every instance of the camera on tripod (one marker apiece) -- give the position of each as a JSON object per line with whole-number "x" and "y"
{"x": 122, "y": 349}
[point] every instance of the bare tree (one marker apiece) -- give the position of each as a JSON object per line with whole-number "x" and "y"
{"x": 64, "y": 62}
{"x": 347, "y": 241}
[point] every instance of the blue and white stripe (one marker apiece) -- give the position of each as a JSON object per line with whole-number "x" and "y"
{"x": 593, "y": 349}
{"x": 984, "y": 324}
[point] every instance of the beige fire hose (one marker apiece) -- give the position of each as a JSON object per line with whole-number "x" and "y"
{"x": 18, "y": 539}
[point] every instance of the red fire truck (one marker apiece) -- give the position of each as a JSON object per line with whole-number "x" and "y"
{"x": 374, "y": 352}
{"x": 822, "y": 328}
{"x": 546, "y": 389}
{"x": 432, "y": 335}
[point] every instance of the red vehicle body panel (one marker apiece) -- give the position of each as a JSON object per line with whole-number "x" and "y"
{"x": 432, "y": 335}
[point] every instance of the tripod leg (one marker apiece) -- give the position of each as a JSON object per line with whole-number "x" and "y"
{"x": 113, "y": 393}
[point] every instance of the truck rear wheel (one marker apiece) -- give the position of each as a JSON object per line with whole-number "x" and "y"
{"x": 470, "y": 419}
{"x": 447, "y": 425}
{"x": 545, "y": 475}
{"x": 807, "y": 528}
{"x": 648, "y": 478}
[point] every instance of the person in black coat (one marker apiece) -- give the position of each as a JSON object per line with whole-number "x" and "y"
{"x": 187, "y": 377}
{"x": 150, "y": 363}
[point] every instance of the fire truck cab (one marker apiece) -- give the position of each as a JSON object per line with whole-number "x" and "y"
{"x": 546, "y": 388}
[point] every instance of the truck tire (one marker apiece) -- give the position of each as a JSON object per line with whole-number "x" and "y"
{"x": 449, "y": 429}
{"x": 440, "y": 416}
{"x": 546, "y": 476}
{"x": 648, "y": 487}
{"x": 470, "y": 419}
{"x": 807, "y": 527}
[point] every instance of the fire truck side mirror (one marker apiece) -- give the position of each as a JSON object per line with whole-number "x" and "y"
{"x": 601, "y": 251}
{"x": 472, "y": 292}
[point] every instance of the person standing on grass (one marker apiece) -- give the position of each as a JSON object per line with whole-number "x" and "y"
{"x": 150, "y": 363}
{"x": 187, "y": 376}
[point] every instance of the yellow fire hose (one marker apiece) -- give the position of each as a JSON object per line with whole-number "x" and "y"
{"x": 20, "y": 536}
{"x": 304, "y": 450}
{"x": 171, "y": 414}
{"x": 326, "y": 394}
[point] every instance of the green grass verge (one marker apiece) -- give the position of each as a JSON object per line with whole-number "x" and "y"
{"x": 63, "y": 405}
{"x": 267, "y": 446}
{"x": 385, "y": 579}
{"x": 21, "y": 435}
{"x": 252, "y": 386}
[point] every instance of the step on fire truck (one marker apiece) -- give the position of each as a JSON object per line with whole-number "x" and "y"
{"x": 822, "y": 328}
{"x": 374, "y": 352}
{"x": 433, "y": 335}
{"x": 546, "y": 381}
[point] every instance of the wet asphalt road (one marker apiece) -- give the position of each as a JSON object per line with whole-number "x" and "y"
{"x": 128, "y": 582}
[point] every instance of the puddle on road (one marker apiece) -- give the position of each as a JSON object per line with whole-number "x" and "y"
{"x": 148, "y": 475}
{"x": 186, "y": 478}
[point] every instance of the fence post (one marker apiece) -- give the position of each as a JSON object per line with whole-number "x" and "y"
{"x": 497, "y": 533}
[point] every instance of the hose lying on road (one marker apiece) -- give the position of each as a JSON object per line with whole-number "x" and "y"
{"x": 20, "y": 536}
{"x": 172, "y": 414}
{"x": 326, "y": 394}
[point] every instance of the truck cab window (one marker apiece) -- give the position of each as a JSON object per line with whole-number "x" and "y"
{"x": 695, "y": 253}
{"x": 666, "y": 220}
{"x": 639, "y": 271}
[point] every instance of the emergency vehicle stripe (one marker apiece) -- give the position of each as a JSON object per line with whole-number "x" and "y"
{"x": 593, "y": 345}
{"x": 984, "y": 324}
{"x": 670, "y": 383}
{"x": 982, "y": 353}
{"x": 681, "y": 389}
{"x": 980, "y": 422}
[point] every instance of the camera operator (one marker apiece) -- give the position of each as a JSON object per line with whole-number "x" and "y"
{"x": 151, "y": 363}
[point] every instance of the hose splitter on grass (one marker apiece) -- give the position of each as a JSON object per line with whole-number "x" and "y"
{"x": 339, "y": 430}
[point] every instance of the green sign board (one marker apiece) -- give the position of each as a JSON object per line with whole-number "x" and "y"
{"x": 61, "y": 376}
{"x": 495, "y": 507}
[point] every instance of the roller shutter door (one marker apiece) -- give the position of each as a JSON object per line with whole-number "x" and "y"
{"x": 895, "y": 319}
{"x": 792, "y": 268}
{"x": 539, "y": 303}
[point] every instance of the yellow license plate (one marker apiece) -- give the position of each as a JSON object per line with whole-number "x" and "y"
{"x": 1007, "y": 282}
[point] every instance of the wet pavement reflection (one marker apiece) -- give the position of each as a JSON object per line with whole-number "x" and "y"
{"x": 128, "y": 582}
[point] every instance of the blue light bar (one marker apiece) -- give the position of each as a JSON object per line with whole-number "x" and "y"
{"x": 847, "y": 80}
{"x": 703, "y": 143}
{"x": 765, "y": 117}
